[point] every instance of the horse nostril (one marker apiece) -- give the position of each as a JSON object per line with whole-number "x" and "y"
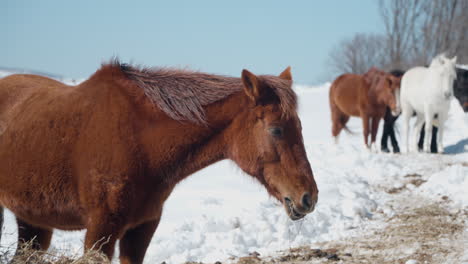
{"x": 307, "y": 201}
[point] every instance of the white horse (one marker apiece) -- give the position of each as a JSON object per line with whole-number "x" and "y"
{"x": 427, "y": 91}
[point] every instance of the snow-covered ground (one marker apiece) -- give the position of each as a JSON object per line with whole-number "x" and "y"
{"x": 220, "y": 212}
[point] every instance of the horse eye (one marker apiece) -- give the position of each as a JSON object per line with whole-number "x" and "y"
{"x": 276, "y": 131}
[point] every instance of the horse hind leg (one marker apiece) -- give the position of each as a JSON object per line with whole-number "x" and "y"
{"x": 31, "y": 237}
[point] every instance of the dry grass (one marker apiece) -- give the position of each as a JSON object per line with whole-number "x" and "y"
{"x": 29, "y": 256}
{"x": 428, "y": 233}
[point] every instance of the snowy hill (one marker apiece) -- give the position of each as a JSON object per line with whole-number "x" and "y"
{"x": 219, "y": 212}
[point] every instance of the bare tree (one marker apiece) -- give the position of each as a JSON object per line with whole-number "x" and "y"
{"x": 418, "y": 30}
{"x": 444, "y": 29}
{"x": 415, "y": 32}
{"x": 400, "y": 18}
{"x": 357, "y": 54}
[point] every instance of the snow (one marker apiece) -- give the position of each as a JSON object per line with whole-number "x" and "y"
{"x": 7, "y": 72}
{"x": 220, "y": 212}
{"x": 4, "y": 73}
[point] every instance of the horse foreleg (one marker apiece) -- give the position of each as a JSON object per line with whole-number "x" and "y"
{"x": 428, "y": 132}
{"x": 406, "y": 115}
{"x": 434, "y": 139}
{"x": 375, "y": 128}
{"x": 365, "y": 125}
{"x": 102, "y": 232}
{"x": 385, "y": 134}
{"x": 38, "y": 238}
{"x": 417, "y": 127}
{"x": 135, "y": 241}
{"x": 440, "y": 132}
{"x": 396, "y": 148}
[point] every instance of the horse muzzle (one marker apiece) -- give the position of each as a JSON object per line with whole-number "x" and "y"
{"x": 447, "y": 95}
{"x": 396, "y": 111}
{"x": 298, "y": 211}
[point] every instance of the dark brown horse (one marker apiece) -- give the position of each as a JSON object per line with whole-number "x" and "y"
{"x": 106, "y": 154}
{"x": 389, "y": 123}
{"x": 365, "y": 96}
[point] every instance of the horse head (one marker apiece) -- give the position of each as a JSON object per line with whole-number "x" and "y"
{"x": 445, "y": 69}
{"x": 391, "y": 86}
{"x": 387, "y": 88}
{"x": 438, "y": 60}
{"x": 268, "y": 143}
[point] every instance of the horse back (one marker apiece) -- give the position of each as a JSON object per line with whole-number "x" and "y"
{"x": 63, "y": 148}
{"x": 349, "y": 92}
{"x": 34, "y": 167}
{"x": 17, "y": 88}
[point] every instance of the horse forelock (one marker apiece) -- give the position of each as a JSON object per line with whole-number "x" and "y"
{"x": 374, "y": 76}
{"x": 284, "y": 92}
{"x": 438, "y": 60}
{"x": 448, "y": 69}
{"x": 183, "y": 94}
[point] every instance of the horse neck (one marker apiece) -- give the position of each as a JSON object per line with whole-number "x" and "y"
{"x": 375, "y": 95}
{"x": 185, "y": 148}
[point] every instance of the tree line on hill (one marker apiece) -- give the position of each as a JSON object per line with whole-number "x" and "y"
{"x": 414, "y": 32}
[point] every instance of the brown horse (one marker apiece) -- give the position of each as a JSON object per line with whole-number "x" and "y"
{"x": 365, "y": 96}
{"x": 106, "y": 154}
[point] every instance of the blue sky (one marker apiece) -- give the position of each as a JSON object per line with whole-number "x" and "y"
{"x": 72, "y": 38}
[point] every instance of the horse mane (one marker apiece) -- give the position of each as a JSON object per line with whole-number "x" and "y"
{"x": 373, "y": 75}
{"x": 182, "y": 94}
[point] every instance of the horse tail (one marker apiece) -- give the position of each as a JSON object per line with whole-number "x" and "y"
{"x": 349, "y": 131}
{"x": 337, "y": 115}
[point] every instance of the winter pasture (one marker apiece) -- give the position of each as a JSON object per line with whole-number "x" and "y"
{"x": 400, "y": 208}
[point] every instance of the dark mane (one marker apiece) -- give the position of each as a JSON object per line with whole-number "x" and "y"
{"x": 181, "y": 94}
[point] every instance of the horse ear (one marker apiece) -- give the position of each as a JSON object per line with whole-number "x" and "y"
{"x": 369, "y": 76}
{"x": 286, "y": 74}
{"x": 454, "y": 59}
{"x": 251, "y": 85}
